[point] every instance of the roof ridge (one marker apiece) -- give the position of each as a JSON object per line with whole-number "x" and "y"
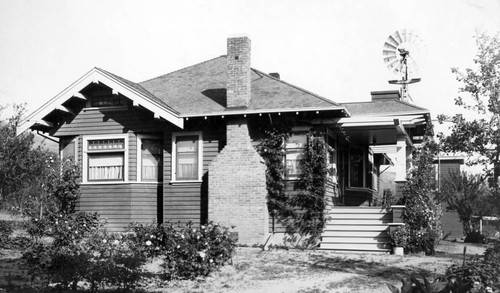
{"x": 394, "y": 100}
{"x": 297, "y": 87}
{"x": 183, "y": 68}
{"x": 126, "y": 81}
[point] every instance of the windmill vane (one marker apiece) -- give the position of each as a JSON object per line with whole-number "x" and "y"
{"x": 398, "y": 54}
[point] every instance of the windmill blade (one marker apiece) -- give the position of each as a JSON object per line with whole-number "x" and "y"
{"x": 389, "y": 46}
{"x": 404, "y": 36}
{"x": 397, "y": 37}
{"x": 389, "y": 59}
{"x": 389, "y": 53}
{"x": 391, "y": 40}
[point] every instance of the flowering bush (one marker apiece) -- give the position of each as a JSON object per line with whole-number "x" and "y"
{"x": 399, "y": 236}
{"x": 83, "y": 251}
{"x": 186, "y": 251}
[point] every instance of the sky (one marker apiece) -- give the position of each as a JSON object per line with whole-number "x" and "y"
{"x": 332, "y": 48}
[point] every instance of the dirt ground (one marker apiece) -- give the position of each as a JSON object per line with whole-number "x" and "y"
{"x": 254, "y": 270}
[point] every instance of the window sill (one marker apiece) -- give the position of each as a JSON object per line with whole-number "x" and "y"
{"x": 147, "y": 182}
{"x": 173, "y": 182}
{"x": 104, "y": 182}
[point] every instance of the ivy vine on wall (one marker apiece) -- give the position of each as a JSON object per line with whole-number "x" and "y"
{"x": 310, "y": 199}
{"x": 301, "y": 211}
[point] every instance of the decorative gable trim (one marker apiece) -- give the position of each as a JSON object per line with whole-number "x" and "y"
{"x": 97, "y": 75}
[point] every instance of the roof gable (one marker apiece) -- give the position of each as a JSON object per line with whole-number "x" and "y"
{"x": 136, "y": 93}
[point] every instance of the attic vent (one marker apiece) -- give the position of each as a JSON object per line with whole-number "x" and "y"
{"x": 275, "y": 75}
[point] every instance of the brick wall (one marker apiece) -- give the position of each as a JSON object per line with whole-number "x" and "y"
{"x": 237, "y": 186}
{"x": 238, "y": 72}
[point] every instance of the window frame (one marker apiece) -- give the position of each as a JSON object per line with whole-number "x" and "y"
{"x": 139, "y": 156}
{"x": 174, "y": 155}
{"x": 364, "y": 159}
{"x": 295, "y": 149}
{"x": 85, "y": 158}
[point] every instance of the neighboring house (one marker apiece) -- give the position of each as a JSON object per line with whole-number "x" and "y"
{"x": 180, "y": 147}
{"x": 450, "y": 221}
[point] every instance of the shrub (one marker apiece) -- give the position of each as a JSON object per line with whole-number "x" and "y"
{"x": 399, "y": 236}
{"x": 6, "y": 230}
{"x": 422, "y": 214}
{"x": 187, "y": 252}
{"x": 478, "y": 272}
{"x": 423, "y": 240}
{"x": 475, "y": 237}
{"x": 83, "y": 251}
{"x": 482, "y": 273}
{"x": 492, "y": 253}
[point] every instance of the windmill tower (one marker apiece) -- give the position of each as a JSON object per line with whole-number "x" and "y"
{"x": 399, "y": 54}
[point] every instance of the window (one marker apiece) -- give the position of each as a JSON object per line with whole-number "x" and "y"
{"x": 295, "y": 146}
{"x": 108, "y": 101}
{"x": 105, "y": 159}
{"x": 356, "y": 167}
{"x": 68, "y": 148}
{"x": 150, "y": 159}
{"x": 187, "y": 157}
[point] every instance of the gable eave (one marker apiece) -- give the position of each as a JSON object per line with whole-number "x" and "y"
{"x": 96, "y": 75}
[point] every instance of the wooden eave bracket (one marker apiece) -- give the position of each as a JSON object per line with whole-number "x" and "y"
{"x": 97, "y": 76}
{"x": 401, "y": 132}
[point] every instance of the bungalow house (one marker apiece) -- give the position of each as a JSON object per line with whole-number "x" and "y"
{"x": 181, "y": 146}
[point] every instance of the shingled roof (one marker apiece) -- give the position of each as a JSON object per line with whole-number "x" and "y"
{"x": 383, "y": 108}
{"x": 201, "y": 90}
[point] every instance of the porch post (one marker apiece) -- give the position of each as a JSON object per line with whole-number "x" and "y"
{"x": 401, "y": 159}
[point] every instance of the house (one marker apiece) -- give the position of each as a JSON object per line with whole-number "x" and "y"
{"x": 181, "y": 146}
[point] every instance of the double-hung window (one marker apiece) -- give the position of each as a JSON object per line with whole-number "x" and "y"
{"x": 105, "y": 159}
{"x": 187, "y": 156}
{"x": 150, "y": 158}
{"x": 295, "y": 146}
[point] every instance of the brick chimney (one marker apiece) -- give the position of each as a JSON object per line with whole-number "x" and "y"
{"x": 237, "y": 194}
{"x": 238, "y": 72}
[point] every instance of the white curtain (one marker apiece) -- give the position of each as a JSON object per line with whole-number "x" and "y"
{"x": 108, "y": 166}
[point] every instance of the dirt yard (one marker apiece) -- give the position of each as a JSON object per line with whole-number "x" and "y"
{"x": 254, "y": 270}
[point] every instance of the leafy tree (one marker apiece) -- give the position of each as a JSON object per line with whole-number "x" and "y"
{"x": 480, "y": 94}
{"x": 422, "y": 214}
{"x": 23, "y": 167}
{"x": 467, "y": 194}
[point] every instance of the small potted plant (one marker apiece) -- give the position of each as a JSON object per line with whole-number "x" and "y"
{"x": 399, "y": 239}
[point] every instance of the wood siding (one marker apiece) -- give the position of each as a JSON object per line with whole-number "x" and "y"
{"x": 120, "y": 204}
{"x": 184, "y": 202}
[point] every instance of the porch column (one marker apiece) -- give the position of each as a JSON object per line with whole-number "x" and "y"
{"x": 401, "y": 157}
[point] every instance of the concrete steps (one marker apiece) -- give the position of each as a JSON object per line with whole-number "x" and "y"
{"x": 357, "y": 229}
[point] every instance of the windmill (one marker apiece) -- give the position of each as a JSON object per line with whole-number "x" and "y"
{"x": 399, "y": 52}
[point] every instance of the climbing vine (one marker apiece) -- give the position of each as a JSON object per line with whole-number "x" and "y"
{"x": 271, "y": 148}
{"x": 301, "y": 211}
{"x": 310, "y": 199}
